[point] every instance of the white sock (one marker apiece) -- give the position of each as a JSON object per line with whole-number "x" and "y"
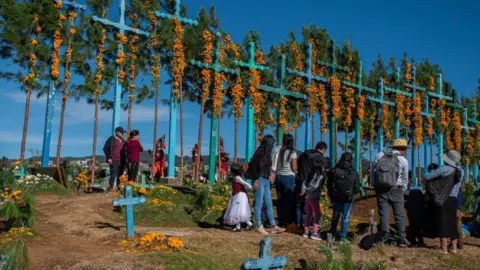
{"x": 249, "y": 224}
{"x": 238, "y": 226}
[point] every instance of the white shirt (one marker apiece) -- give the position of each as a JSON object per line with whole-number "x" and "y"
{"x": 402, "y": 179}
{"x": 277, "y": 167}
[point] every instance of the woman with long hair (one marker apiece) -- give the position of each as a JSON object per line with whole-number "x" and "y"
{"x": 284, "y": 166}
{"x": 133, "y": 149}
{"x": 259, "y": 170}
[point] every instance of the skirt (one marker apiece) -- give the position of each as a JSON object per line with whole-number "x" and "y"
{"x": 446, "y": 219}
{"x": 238, "y": 210}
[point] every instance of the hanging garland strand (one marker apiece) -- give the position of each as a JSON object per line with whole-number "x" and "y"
{"x": 57, "y": 42}
{"x": 28, "y": 80}
{"x": 372, "y": 132}
{"x": 385, "y": 119}
{"x": 68, "y": 54}
{"x": 133, "y": 56}
{"x": 237, "y": 92}
{"x": 207, "y": 58}
{"x": 457, "y": 131}
{"x": 433, "y": 104}
{"x": 449, "y": 145}
{"x": 256, "y": 96}
{"x": 99, "y": 63}
{"x": 469, "y": 148}
{"x": 335, "y": 95}
{"x": 477, "y": 143}
{"x": 322, "y": 100}
{"x": 178, "y": 60}
{"x": 218, "y": 89}
{"x": 418, "y": 127}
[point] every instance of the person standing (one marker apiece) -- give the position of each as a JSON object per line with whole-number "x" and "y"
{"x": 284, "y": 166}
{"x": 238, "y": 210}
{"x": 259, "y": 170}
{"x": 309, "y": 162}
{"x": 343, "y": 184}
{"x": 443, "y": 185}
{"x": 133, "y": 149}
{"x": 389, "y": 176}
{"x": 115, "y": 156}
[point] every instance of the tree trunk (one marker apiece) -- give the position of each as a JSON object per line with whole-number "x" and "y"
{"x": 199, "y": 142}
{"x": 235, "y": 146}
{"x": 181, "y": 130}
{"x": 95, "y": 131}
{"x": 155, "y": 126}
{"x": 130, "y": 104}
{"x": 25, "y": 125}
{"x": 60, "y": 136}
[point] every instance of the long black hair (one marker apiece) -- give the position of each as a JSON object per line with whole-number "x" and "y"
{"x": 261, "y": 162}
{"x": 133, "y": 133}
{"x": 288, "y": 144}
{"x": 265, "y": 149}
{"x": 236, "y": 170}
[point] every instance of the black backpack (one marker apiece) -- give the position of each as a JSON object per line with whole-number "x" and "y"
{"x": 343, "y": 184}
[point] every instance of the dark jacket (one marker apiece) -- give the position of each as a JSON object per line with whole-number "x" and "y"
{"x": 108, "y": 149}
{"x": 345, "y": 163}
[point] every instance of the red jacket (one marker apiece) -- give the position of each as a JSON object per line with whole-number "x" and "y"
{"x": 133, "y": 148}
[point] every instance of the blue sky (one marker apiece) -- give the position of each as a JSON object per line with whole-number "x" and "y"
{"x": 443, "y": 31}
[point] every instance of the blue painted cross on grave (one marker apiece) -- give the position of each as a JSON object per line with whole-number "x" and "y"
{"x": 173, "y": 103}
{"x": 250, "y": 144}
{"x": 129, "y": 202}
{"x": 47, "y": 132}
{"x": 360, "y": 88}
{"x": 122, "y": 27}
{"x": 216, "y": 68}
{"x": 266, "y": 261}
{"x": 309, "y": 76}
{"x": 332, "y": 68}
{"x": 282, "y": 92}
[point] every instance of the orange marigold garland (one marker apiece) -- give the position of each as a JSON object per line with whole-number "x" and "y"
{"x": 178, "y": 61}
{"x": 283, "y": 114}
{"x": 99, "y": 62}
{"x": 477, "y": 143}
{"x": 322, "y": 100}
{"x": 218, "y": 89}
{"x": 206, "y": 74}
{"x": 313, "y": 97}
{"x": 237, "y": 92}
{"x": 400, "y": 107}
{"x": 372, "y": 132}
{"x": 457, "y": 131}
{"x": 256, "y": 96}
{"x": 335, "y": 96}
{"x": 468, "y": 151}
{"x": 349, "y": 95}
{"x": 360, "y": 107}
{"x": 443, "y": 114}
{"x": 418, "y": 129}
{"x": 387, "y": 133}
{"x": 297, "y": 83}
{"x": 57, "y": 42}
{"x": 449, "y": 145}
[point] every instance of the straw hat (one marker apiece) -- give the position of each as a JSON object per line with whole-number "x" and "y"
{"x": 399, "y": 143}
{"x": 452, "y": 158}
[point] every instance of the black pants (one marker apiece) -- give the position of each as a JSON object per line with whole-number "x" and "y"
{"x": 132, "y": 171}
{"x": 115, "y": 172}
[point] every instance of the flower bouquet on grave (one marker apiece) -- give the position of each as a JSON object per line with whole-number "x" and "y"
{"x": 152, "y": 242}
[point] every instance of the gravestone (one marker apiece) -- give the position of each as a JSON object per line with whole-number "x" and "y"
{"x": 129, "y": 202}
{"x": 170, "y": 181}
{"x": 266, "y": 261}
{"x": 52, "y": 172}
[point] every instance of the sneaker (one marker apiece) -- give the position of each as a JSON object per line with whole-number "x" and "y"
{"x": 306, "y": 235}
{"x": 316, "y": 237}
{"x": 277, "y": 229}
{"x": 262, "y": 231}
{"x": 402, "y": 244}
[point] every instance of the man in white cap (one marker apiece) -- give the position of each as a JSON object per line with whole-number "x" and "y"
{"x": 443, "y": 185}
{"x": 389, "y": 176}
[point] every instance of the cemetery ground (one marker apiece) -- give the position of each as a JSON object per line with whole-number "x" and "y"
{"x": 81, "y": 231}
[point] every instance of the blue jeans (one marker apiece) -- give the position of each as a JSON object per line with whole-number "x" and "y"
{"x": 344, "y": 209}
{"x": 263, "y": 195}
{"x": 285, "y": 200}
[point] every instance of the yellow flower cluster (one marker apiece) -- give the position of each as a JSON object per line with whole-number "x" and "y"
{"x": 271, "y": 119}
{"x": 297, "y": 83}
{"x": 57, "y": 5}
{"x": 387, "y": 133}
{"x": 372, "y": 132}
{"x": 15, "y": 233}
{"x": 207, "y": 58}
{"x": 71, "y": 16}
{"x": 349, "y": 97}
{"x": 158, "y": 202}
{"x": 400, "y": 107}
{"x": 218, "y": 89}
{"x": 313, "y": 92}
{"x": 122, "y": 38}
{"x": 57, "y": 42}
{"x": 260, "y": 57}
{"x": 178, "y": 60}
{"x": 282, "y": 121}
{"x": 335, "y": 96}
{"x": 322, "y": 100}
{"x": 449, "y": 145}
{"x": 457, "y": 131}
{"x": 407, "y": 76}
{"x": 443, "y": 113}
{"x": 418, "y": 130}
{"x": 99, "y": 63}
{"x": 468, "y": 151}
{"x": 256, "y": 96}
{"x": 360, "y": 107}
{"x": 83, "y": 179}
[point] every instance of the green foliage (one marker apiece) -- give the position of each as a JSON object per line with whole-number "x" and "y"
{"x": 468, "y": 198}
{"x": 203, "y": 199}
{"x": 6, "y": 178}
{"x": 42, "y": 184}
{"x": 16, "y": 254}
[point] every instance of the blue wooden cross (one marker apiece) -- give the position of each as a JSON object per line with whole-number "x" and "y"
{"x": 309, "y": 76}
{"x": 250, "y": 144}
{"x": 118, "y": 88}
{"x": 173, "y": 103}
{"x": 47, "y": 131}
{"x": 332, "y": 68}
{"x": 216, "y": 68}
{"x": 360, "y": 88}
{"x": 129, "y": 202}
{"x": 266, "y": 261}
{"x": 281, "y": 91}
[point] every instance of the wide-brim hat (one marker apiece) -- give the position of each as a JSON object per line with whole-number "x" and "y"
{"x": 399, "y": 143}
{"x": 452, "y": 158}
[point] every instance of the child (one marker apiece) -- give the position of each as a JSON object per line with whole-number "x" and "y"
{"x": 133, "y": 149}
{"x": 238, "y": 210}
{"x": 311, "y": 189}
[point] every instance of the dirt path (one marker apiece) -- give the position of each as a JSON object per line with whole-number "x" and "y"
{"x": 76, "y": 232}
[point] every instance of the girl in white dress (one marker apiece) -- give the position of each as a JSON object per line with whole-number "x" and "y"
{"x": 238, "y": 210}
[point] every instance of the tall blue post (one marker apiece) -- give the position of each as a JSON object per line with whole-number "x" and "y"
{"x": 396, "y": 134}
{"x": 173, "y": 103}
{"x": 379, "y": 116}
{"x": 440, "y": 134}
{"x": 213, "y": 149}
{"x": 474, "y": 159}
{"x": 47, "y": 132}
{"x": 172, "y": 137}
{"x": 466, "y": 167}
{"x": 426, "y": 143}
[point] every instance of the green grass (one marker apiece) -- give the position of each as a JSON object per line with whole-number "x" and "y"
{"x": 17, "y": 254}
